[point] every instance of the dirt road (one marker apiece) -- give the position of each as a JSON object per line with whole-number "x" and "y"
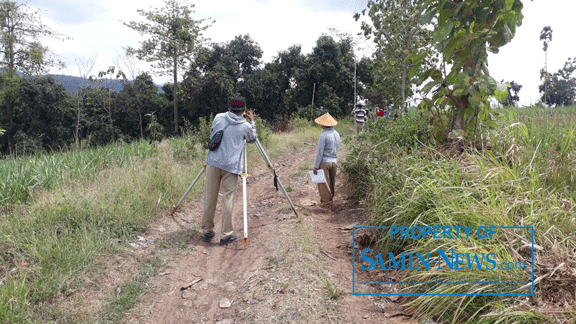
{"x": 294, "y": 270}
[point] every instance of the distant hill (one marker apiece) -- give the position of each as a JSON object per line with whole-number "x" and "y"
{"x": 73, "y": 83}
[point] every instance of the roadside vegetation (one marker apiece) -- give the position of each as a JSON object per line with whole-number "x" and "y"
{"x": 519, "y": 174}
{"x": 64, "y": 216}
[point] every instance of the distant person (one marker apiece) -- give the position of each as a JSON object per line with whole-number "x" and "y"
{"x": 326, "y": 154}
{"x": 224, "y": 165}
{"x": 380, "y": 112}
{"x": 361, "y": 118}
{"x": 372, "y": 114}
{"x": 386, "y": 114}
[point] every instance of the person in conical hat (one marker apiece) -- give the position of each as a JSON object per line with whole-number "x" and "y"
{"x": 326, "y": 156}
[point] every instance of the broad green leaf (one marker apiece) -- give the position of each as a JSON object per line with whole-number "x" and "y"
{"x": 452, "y": 77}
{"x": 427, "y": 17}
{"x": 509, "y": 4}
{"x": 429, "y": 86}
{"x": 445, "y": 14}
{"x": 436, "y": 75}
{"x": 475, "y": 102}
{"x": 464, "y": 78}
{"x": 491, "y": 124}
{"x": 491, "y": 83}
{"x": 443, "y": 31}
{"x": 501, "y": 95}
{"x": 458, "y": 92}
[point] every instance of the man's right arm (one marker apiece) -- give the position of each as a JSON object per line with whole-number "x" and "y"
{"x": 251, "y": 133}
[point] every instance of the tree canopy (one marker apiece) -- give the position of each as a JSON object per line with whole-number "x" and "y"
{"x": 21, "y": 29}
{"x": 464, "y": 33}
{"x": 560, "y": 88}
{"x": 173, "y": 40}
{"x": 398, "y": 32}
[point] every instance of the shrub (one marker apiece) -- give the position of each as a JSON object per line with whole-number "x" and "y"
{"x": 370, "y": 150}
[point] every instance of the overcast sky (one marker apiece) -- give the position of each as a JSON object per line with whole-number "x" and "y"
{"x": 96, "y": 29}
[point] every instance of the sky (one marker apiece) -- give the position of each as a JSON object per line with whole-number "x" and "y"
{"x": 97, "y": 30}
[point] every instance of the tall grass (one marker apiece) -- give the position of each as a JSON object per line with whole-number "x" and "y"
{"x": 23, "y": 175}
{"x": 64, "y": 215}
{"x": 523, "y": 178}
{"x": 93, "y": 203}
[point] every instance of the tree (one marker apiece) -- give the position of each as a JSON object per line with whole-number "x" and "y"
{"x": 43, "y": 114}
{"x": 126, "y": 65}
{"x": 545, "y": 37}
{"x": 174, "y": 38}
{"x": 219, "y": 72}
{"x": 398, "y": 33}
{"x": 207, "y": 94}
{"x": 329, "y": 69}
{"x": 512, "y": 98}
{"x": 560, "y": 88}
{"x": 237, "y": 58}
{"x": 281, "y": 84}
{"x": 20, "y": 31}
{"x": 139, "y": 98}
{"x": 84, "y": 65}
{"x": 465, "y": 31}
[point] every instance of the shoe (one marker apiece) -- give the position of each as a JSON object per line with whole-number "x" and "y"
{"x": 229, "y": 239}
{"x": 208, "y": 236}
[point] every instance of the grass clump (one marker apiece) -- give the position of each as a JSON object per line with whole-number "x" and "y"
{"x": 523, "y": 178}
{"x": 128, "y": 294}
{"x": 68, "y": 231}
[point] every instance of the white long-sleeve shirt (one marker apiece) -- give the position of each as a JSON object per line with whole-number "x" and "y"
{"x": 327, "y": 147}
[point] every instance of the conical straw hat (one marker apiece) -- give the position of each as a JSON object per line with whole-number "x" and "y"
{"x": 326, "y": 120}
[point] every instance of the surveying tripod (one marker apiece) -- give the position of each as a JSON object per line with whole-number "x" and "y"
{"x": 244, "y": 176}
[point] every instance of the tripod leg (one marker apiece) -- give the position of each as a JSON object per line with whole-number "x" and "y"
{"x": 271, "y": 167}
{"x": 188, "y": 190}
{"x": 244, "y": 197}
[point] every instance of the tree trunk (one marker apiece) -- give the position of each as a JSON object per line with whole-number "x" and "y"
{"x": 9, "y": 129}
{"x": 12, "y": 73}
{"x": 77, "y": 132}
{"x": 141, "y": 127}
{"x": 460, "y": 105}
{"x": 175, "y": 96}
{"x": 110, "y": 117}
{"x": 403, "y": 89}
{"x": 546, "y": 77}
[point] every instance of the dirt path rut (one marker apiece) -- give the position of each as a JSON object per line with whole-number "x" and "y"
{"x": 294, "y": 270}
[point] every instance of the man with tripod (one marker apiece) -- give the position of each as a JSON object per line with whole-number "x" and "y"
{"x": 224, "y": 165}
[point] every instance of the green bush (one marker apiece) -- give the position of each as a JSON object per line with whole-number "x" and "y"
{"x": 403, "y": 132}
{"x": 523, "y": 177}
{"x": 202, "y": 130}
{"x": 299, "y": 123}
{"x": 370, "y": 150}
{"x": 262, "y": 130}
